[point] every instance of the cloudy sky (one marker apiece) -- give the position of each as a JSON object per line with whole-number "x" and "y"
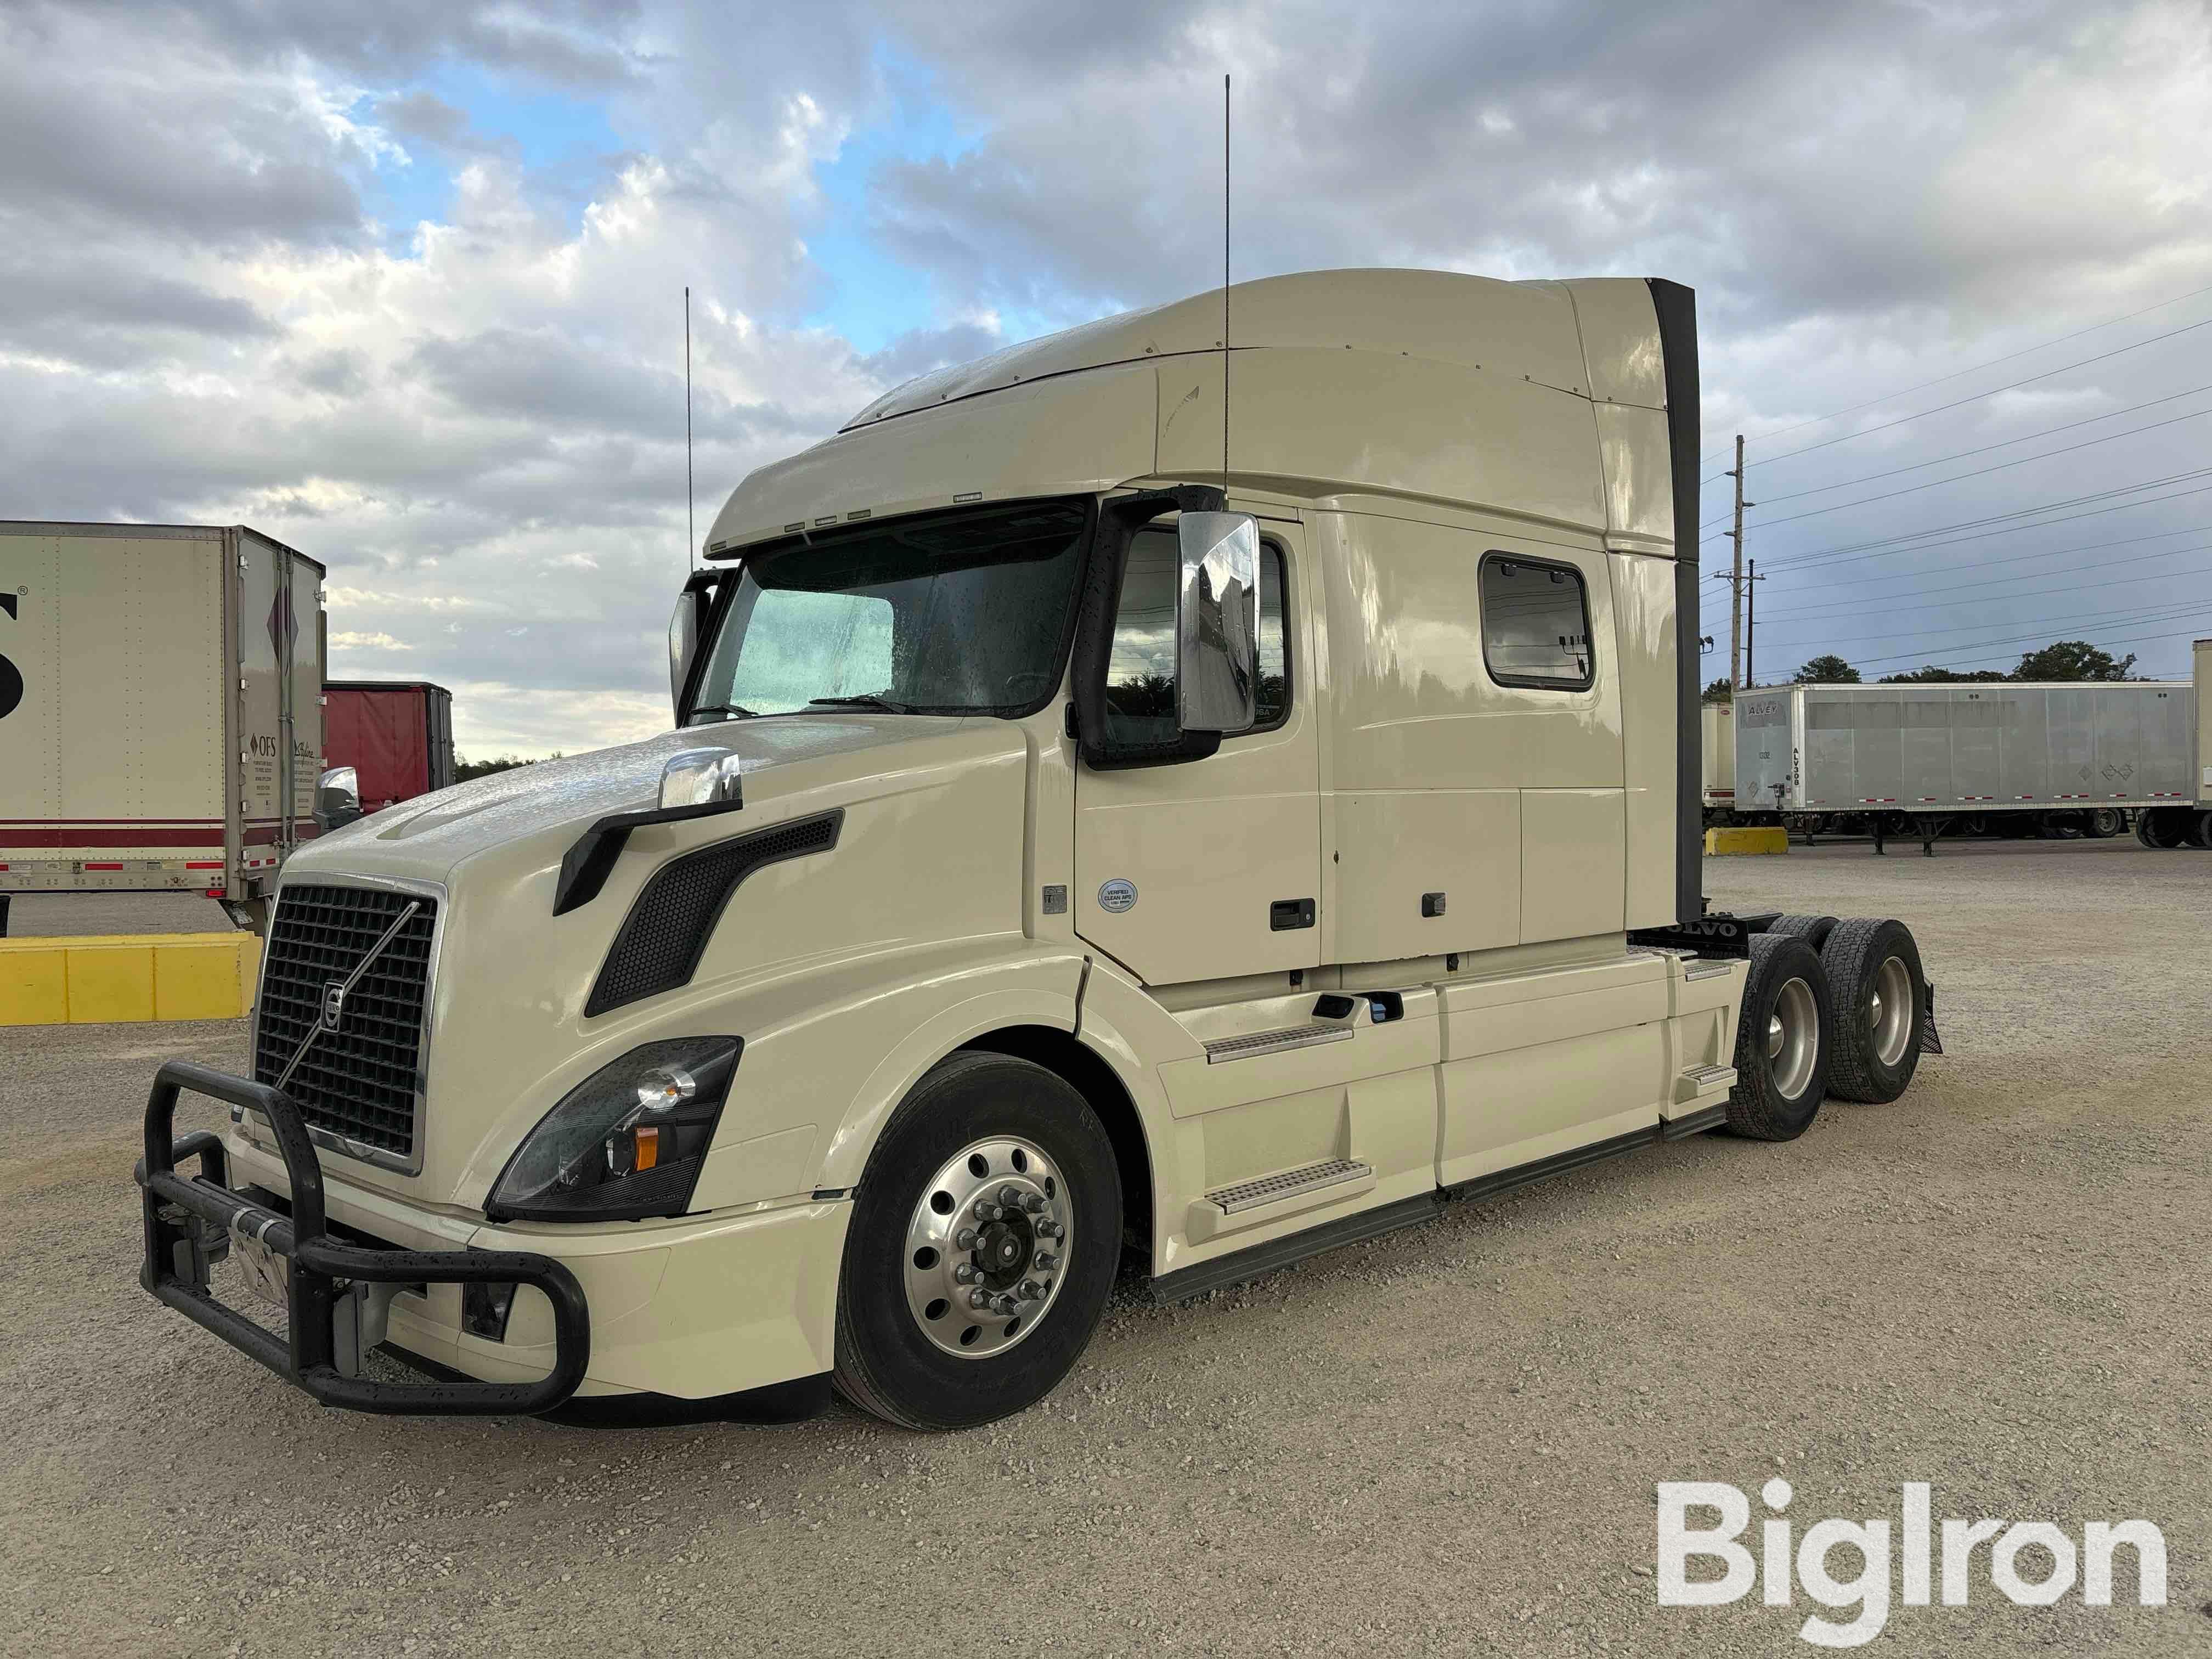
{"x": 402, "y": 283}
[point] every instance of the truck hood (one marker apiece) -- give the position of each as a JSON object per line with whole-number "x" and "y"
{"x": 427, "y": 839}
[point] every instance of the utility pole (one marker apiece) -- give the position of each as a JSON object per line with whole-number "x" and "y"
{"x": 1736, "y": 666}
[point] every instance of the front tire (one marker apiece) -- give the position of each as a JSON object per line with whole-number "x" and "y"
{"x": 1782, "y": 1041}
{"x": 934, "y": 1230}
{"x": 1879, "y": 996}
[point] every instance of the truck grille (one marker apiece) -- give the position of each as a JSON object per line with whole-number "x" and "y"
{"x": 357, "y": 1081}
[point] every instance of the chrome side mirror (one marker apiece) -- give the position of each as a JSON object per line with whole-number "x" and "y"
{"x": 337, "y": 799}
{"x": 1218, "y": 623}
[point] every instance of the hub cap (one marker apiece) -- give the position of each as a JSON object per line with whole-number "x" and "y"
{"x": 1793, "y": 1038}
{"x": 985, "y": 1248}
{"x": 1889, "y": 1010}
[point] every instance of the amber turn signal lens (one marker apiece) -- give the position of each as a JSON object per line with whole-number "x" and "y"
{"x": 648, "y": 1148}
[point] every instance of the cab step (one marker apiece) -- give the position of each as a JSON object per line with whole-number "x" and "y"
{"x": 1253, "y": 1046}
{"x": 1270, "y": 1190}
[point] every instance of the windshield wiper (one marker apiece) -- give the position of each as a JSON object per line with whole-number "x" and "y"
{"x": 866, "y": 699}
{"x": 729, "y": 709}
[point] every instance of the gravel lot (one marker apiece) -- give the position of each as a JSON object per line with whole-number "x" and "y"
{"x": 1446, "y": 1440}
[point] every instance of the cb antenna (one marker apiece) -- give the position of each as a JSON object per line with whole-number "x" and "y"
{"x": 690, "y": 523}
{"x": 1225, "y": 291}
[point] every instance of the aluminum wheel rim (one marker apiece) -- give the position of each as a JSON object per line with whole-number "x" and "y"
{"x": 986, "y": 1248}
{"x": 1889, "y": 1010}
{"x": 1793, "y": 1038}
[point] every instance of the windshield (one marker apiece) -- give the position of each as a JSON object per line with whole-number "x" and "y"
{"x": 947, "y": 614}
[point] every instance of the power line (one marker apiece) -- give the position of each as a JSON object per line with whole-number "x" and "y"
{"x": 1891, "y": 608}
{"x": 2026, "y": 351}
{"x": 1999, "y": 466}
{"x": 1983, "y": 449}
{"x": 2023, "y": 558}
{"x": 1952, "y": 661}
{"x": 2121, "y": 617}
{"x": 1829, "y": 555}
{"x": 1868, "y": 432}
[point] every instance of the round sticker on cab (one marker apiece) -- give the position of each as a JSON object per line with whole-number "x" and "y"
{"x": 1117, "y": 896}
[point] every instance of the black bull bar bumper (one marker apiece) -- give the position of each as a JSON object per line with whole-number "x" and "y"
{"x": 185, "y": 1219}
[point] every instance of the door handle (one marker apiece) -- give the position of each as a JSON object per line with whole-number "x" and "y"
{"x": 1285, "y": 915}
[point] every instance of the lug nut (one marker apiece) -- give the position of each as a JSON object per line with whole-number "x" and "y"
{"x": 1049, "y": 1230}
{"x": 1005, "y": 1304}
{"x": 978, "y": 1298}
{"x": 1033, "y": 1202}
{"x": 967, "y": 1238}
{"x": 1047, "y": 1259}
{"x": 964, "y": 1274}
{"x": 1010, "y": 1196}
{"x": 1029, "y": 1291}
{"x": 986, "y": 1211}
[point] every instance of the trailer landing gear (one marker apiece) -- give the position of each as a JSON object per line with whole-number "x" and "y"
{"x": 1926, "y": 825}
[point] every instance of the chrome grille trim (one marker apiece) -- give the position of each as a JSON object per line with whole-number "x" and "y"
{"x": 411, "y": 1162}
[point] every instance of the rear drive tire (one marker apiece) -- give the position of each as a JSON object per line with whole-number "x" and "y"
{"x": 911, "y": 1348}
{"x": 1880, "y": 995}
{"x": 2200, "y": 830}
{"x": 1813, "y": 930}
{"x": 1780, "y": 1044}
{"x": 2106, "y": 823}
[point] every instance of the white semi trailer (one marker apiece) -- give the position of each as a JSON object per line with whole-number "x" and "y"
{"x": 1718, "y": 750}
{"x": 1075, "y": 856}
{"x": 1927, "y": 760}
{"x": 160, "y": 708}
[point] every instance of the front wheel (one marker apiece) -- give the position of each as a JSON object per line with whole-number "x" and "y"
{"x": 1782, "y": 1041}
{"x": 982, "y": 1247}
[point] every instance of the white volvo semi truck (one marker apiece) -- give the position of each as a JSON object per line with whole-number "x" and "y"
{"x": 1073, "y": 856}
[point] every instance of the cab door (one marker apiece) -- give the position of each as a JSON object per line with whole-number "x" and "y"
{"x": 1206, "y": 869}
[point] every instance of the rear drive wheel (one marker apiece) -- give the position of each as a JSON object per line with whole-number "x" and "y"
{"x": 1780, "y": 1044}
{"x": 2106, "y": 821}
{"x": 1879, "y": 996}
{"x": 982, "y": 1246}
{"x": 1813, "y": 930}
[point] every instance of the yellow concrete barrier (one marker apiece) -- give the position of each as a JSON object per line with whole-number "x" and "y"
{"x": 102, "y": 979}
{"x": 1756, "y": 838}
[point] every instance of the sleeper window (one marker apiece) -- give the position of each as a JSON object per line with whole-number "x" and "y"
{"x": 1536, "y": 624}
{"x": 1140, "y": 686}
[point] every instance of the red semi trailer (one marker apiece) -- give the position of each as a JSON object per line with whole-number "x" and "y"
{"x": 398, "y": 735}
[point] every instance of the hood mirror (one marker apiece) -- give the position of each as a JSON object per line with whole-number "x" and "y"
{"x": 1218, "y": 623}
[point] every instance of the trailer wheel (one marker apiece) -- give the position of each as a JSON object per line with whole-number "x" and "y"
{"x": 1781, "y": 1043}
{"x": 2199, "y": 829}
{"x": 1880, "y": 1001}
{"x": 984, "y": 1239}
{"x": 2161, "y": 828}
{"x": 1813, "y": 930}
{"x": 2106, "y": 823}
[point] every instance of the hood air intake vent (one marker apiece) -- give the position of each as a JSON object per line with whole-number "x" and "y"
{"x": 661, "y": 940}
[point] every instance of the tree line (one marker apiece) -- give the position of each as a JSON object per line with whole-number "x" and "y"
{"x": 2062, "y": 659}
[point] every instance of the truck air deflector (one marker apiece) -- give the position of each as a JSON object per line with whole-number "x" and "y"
{"x": 661, "y": 940}
{"x": 1676, "y": 308}
{"x": 192, "y": 1222}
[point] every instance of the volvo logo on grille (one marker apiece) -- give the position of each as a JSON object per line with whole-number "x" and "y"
{"x": 334, "y": 996}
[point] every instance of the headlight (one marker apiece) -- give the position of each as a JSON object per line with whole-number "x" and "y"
{"x": 627, "y": 1142}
